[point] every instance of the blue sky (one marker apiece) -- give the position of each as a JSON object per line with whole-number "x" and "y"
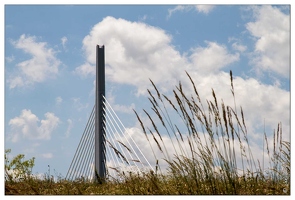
{"x": 50, "y": 57}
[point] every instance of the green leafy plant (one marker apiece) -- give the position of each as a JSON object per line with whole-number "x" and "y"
{"x": 18, "y": 168}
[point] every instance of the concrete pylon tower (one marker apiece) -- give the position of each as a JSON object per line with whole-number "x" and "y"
{"x": 100, "y": 158}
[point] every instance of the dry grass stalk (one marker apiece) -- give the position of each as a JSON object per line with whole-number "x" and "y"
{"x": 124, "y": 146}
{"x": 118, "y": 153}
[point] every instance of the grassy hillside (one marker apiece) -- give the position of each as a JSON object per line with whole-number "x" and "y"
{"x": 151, "y": 184}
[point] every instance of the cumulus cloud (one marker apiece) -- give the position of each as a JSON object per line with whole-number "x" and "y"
{"x": 42, "y": 65}
{"x": 199, "y": 8}
{"x": 259, "y": 101}
{"x": 64, "y": 41}
{"x": 237, "y": 44}
{"x": 132, "y": 47}
{"x": 124, "y": 108}
{"x": 271, "y": 30}
{"x": 121, "y": 108}
{"x": 142, "y": 52}
{"x": 85, "y": 70}
{"x": 218, "y": 54}
{"x": 239, "y": 47}
{"x": 28, "y": 126}
{"x": 118, "y": 107}
{"x": 204, "y": 8}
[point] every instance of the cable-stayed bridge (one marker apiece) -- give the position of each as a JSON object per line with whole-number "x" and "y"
{"x": 106, "y": 147}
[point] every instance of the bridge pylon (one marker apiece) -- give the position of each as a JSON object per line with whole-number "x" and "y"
{"x": 100, "y": 157}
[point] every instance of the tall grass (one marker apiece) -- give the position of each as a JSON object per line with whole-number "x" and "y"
{"x": 219, "y": 160}
{"x": 212, "y": 153}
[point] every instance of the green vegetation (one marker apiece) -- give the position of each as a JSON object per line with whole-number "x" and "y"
{"x": 219, "y": 160}
{"x": 17, "y": 169}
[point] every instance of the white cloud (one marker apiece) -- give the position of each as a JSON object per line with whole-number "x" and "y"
{"x": 239, "y": 47}
{"x": 28, "y": 126}
{"x": 10, "y": 58}
{"x": 134, "y": 52}
{"x": 143, "y": 52}
{"x": 178, "y": 8}
{"x": 237, "y": 44}
{"x": 16, "y": 81}
{"x": 212, "y": 58}
{"x": 58, "y": 100}
{"x": 118, "y": 107}
{"x": 199, "y": 8}
{"x": 271, "y": 30}
{"x": 124, "y": 108}
{"x": 204, "y": 8}
{"x": 85, "y": 70}
{"x": 40, "y": 67}
{"x": 78, "y": 105}
{"x": 64, "y": 41}
{"x": 259, "y": 101}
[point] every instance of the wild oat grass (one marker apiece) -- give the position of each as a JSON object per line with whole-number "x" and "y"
{"x": 218, "y": 159}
